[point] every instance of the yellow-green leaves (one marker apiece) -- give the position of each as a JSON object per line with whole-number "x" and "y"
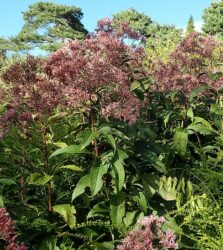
{"x": 68, "y": 212}
{"x": 180, "y": 141}
{"x": 39, "y": 179}
{"x": 73, "y": 149}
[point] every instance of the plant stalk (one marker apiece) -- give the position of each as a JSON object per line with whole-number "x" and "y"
{"x": 46, "y": 163}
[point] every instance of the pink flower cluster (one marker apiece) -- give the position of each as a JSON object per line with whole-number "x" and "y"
{"x": 7, "y": 232}
{"x": 28, "y": 92}
{"x": 95, "y": 72}
{"x": 148, "y": 235}
{"x": 98, "y": 71}
{"x": 29, "y": 89}
{"x": 189, "y": 65}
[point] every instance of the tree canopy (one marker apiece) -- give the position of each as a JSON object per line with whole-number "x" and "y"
{"x": 162, "y": 41}
{"x": 213, "y": 19}
{"x": 48, "y": 24}
{"x": 138, "y": 22}
{"x": 190, "y": 26}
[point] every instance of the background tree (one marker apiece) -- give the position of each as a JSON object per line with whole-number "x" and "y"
{"x": 138, "y": 22}
{"x": 213, "y": 19}
{"x": 48, "y": 24}
{"x": 160, "y": 39}
{"x": 190, "y": 26}
{"x": 163, "y": 40}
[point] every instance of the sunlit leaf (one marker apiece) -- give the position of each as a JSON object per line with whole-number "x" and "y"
{"x": 180, "y": 141}
{"x": 73, "y": 149}
{"x": 81, "y": 185}
{"x": 39, "y": 179}
{"x": 68, "y": 212}
{"x": 72, "y": 167}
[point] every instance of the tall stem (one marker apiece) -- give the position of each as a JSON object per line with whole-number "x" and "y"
{"x": 221, "y": 105}
{"x": 46, "y": 163}
{"x": 21, "y": 189}
{"x": 21, "y": 181}
{"x": 93, "y": 129}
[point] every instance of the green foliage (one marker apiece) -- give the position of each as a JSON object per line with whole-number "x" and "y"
{"x": 200, "y": 224}
{"x": 190, "y": 26}
{"x": 73, "y": 180}
{"x": 162, "y": 41}
{"x": 180, "y": 141}
{"x": 137, "y": 21}
{"x": 213, "y": 19}
{"x": 67, "y": 211}
{"x": 49, "y": 244}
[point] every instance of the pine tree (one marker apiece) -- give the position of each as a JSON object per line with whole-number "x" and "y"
{"x": 48, "y": 24}
{"x": 190, "y": 26}
{"x": 213, "y": 19}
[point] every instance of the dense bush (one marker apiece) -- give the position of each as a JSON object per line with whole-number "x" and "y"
{"x": 95, "y": 137}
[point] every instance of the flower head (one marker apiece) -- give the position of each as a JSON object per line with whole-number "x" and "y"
{"x": 98, "y": 71}
{"x": 7, "y": 232}
{"x": 189, "y": 65}
{"x": 148, "y": 235}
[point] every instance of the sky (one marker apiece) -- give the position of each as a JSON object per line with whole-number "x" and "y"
{"x": 176, "y": 12}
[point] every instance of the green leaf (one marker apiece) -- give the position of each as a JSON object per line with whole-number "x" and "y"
{"x": 49, "y": 244}
{"x": 142, "y": 201}
{"x": 88, "y": 137}
{"x": 140, "y": 198}
{"x": 72, "y": 167}
{"x": 122, "y": 155}
{"x": 105, "y": 129}
{"x": 57, "y": 116}
{"x": 96, "y": 181}
{"x": 180, "y": 141}
{"x": 215, "y": 76}
{"x": 171, "y": 224}
{"x": 81, "y": 185}
{"x": 7, "y": 181}
{"x": 117, "y": 208}
{"x": 68, "y": 212}
{"x": 216, "y": 109}
{"x": 168, "y": 188}
{"x": 73, "y": 149}
{"x": 129, "y": 218}
{"x": 167, "y": 117}
{"x": 1, "y": 202}
{"x": 197, "y": 91}
{"x": 39, "y": 179}
{"x": 157, "y": 161}
{"x": 150, "y": 184}
{"x": 201, "y": 120}
{"x": 101, "y": 209}
{"x": 111, "y": 140}
{"x": 135, "y": 85}
{"x": 104, "y": 246}
{"x": 173, "y": 94}
{"x": 190, "y": 113}
{"x": 60, "y": 144}
{"x": 119, "y": 175}
{"x": 201, "y": 126}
